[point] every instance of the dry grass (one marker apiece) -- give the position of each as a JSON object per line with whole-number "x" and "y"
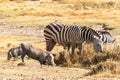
{"x": 106, "y": 66}
{"x": 101, "y": 65}
{"x": 102, "y": 62}
{"x": 82, "y": 12}
{"x": 89, "y": 56}
{"x": 63, "y": 59}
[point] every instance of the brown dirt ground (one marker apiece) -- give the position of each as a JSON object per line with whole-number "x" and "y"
{"x": 12, "y": 37}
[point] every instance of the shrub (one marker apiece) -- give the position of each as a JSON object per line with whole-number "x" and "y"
{"x": 108, "y": 65}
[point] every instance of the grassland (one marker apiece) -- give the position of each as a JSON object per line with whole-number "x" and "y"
{"x": 35, "y": 13}
{"x": 76, "y": 12}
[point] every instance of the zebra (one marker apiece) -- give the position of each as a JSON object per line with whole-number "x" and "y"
{"x": 106, "y": 36}
{"x": 69, "y": 35}
{"x": 101, "y": 29}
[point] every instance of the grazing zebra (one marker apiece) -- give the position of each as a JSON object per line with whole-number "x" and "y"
{"x": 69, "y": 35}
{"x": 106, "y": 36}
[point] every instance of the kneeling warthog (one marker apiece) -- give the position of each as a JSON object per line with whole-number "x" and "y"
{"x": 37, "y": 54}
{"x": 14, "y": 52}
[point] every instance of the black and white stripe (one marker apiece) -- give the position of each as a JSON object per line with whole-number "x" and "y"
{"x": 106, "y": 36}
{"x": 69, "y": 35}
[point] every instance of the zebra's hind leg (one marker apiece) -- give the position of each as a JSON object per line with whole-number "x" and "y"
{"x": 80, "y": 52}
{"x": 73, "y": 49}
{"x": 72, "y": 53}
{"x": 80, "y": 49}
{"x": 50, "y": 45}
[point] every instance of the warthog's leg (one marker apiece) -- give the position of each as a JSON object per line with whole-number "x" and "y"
{"x": 22, "y": 57}
{"x": 41, "y": 62}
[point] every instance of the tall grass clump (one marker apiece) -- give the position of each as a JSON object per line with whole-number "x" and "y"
{"x": 102, "y": 62}
{"x": 89, "y": 57}
{"x": 106, "y": 66}
{"x": 93, "y": 59}
{"x": 62, "y": 58}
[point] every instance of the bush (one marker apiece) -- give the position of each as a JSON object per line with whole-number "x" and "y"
{"x": 111, "y": 66}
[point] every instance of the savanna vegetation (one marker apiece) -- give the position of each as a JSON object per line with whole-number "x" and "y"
{"x": 38, "y": 13}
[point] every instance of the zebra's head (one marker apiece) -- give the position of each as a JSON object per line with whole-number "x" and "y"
{"x": 106, "y": 37}
{"x": 98, "y": 44}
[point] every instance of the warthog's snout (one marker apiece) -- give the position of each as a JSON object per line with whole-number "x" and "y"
{"x": 50, "y": 60}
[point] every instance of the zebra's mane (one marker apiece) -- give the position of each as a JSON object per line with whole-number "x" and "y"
{"x": 83, "y": 27}
{"x": 92, "y": 30}
{"x": 105, "y": 32}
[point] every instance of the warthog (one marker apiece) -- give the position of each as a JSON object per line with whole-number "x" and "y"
{"x": 37, "y": 54}
{"x": 14, "y": 52}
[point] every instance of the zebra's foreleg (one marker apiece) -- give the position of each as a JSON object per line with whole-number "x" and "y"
{"x": 73, "y": 49}
{"x": 50, "y": 45}
{"x": 80, "y": 52}
{"x": 80, "y": 49}
{"x": 66, "y": 47}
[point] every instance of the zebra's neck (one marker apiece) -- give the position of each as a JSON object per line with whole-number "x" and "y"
{"x": 87, "y": 34}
